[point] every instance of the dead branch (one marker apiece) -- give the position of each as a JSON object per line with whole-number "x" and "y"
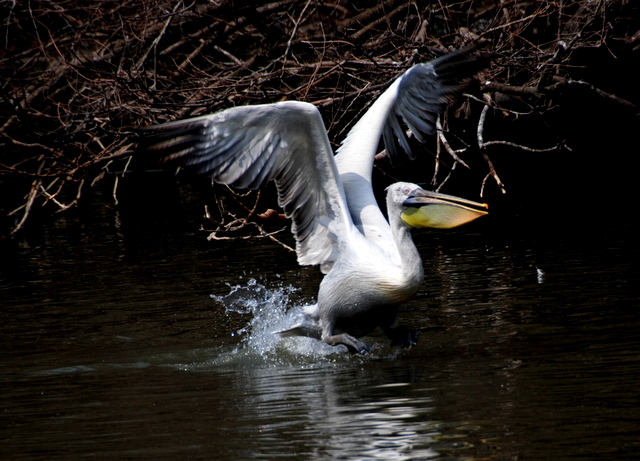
{"x": 79, "y": 77}
{"x": 481, "y": 145}
{"x": 453, "y": 153}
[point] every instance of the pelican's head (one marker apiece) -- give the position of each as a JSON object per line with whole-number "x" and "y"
{"x": 423, "y": 208}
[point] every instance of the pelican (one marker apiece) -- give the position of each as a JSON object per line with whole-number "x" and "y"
{"x": 370, "y": 263}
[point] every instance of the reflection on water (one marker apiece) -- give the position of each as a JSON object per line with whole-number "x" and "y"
{"x": 112, "y": 347}
{"x": 332, "y": 413}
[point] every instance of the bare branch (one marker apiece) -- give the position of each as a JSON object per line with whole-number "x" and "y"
{"x": 453, "y": 153}
{"x": 481, "y": 145}
{"x": 78, "y": 79}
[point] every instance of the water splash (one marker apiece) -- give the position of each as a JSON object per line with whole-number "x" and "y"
{"x": 271, "y": 311}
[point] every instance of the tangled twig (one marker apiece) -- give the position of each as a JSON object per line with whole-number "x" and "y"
{"x": 78, "y": 78}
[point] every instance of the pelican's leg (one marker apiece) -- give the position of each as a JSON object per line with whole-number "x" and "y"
{"x": 354, "y": 346}
{"x": 401, "y": 335}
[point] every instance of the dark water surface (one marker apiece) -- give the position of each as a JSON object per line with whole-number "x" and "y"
{"x": 112, "y": 347}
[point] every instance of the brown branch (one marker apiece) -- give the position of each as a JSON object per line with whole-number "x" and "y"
{"x": 481, "y": 145}
{"x": 521, "y": 147}
{"x": 555, "y": 88}
{"x": 62, "y": 206}
{"x": 443, "y": 139}
{"x": 562, "y": 82}
{"x": 31, "y": 197}
{"x": 512, "y": 89}
{"x": 77, "y": 79}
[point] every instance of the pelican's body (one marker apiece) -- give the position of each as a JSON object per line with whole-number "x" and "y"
{"x": 368, "y": 282}
{"x": 371, "y": 264}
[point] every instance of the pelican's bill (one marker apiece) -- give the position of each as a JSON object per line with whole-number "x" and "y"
{"x": 441, "y": 211}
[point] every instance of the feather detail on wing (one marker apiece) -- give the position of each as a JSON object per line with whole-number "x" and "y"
{"x": 247, "y": 146}
{"x": 423, "y": 93}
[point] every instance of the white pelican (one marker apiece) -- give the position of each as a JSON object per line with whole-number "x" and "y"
{"x": 371, "y": 265}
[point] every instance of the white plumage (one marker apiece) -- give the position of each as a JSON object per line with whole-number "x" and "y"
{"x": 371, "y": 264}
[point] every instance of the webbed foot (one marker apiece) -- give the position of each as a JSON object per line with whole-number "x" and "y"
{"x": 354, "y": 346}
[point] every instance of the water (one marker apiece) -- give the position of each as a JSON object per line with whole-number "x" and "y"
{"x": 114, "y": 348}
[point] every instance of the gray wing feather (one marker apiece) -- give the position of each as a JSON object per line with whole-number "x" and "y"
{"x": 248, "y": 146}
{"x": 424, "y": 92}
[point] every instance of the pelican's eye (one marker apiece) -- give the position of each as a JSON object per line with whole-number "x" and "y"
{"x": 406, "y": 191}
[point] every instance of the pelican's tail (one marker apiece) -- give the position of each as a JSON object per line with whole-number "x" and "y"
{"x": 311, "y": 311}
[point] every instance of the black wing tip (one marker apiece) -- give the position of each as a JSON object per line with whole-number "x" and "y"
{"x": 463, "y": 63}
{"x": 448, "y": 76}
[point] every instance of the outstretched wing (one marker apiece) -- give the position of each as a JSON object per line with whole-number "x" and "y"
{"x": 423, "y": 93}
{"x": 418, "y": 96}
{"x": 247, "y": 146}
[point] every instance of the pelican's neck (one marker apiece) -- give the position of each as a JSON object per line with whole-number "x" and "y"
{"x": 354, "y": 161}
{"x": 409, "y": 256}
